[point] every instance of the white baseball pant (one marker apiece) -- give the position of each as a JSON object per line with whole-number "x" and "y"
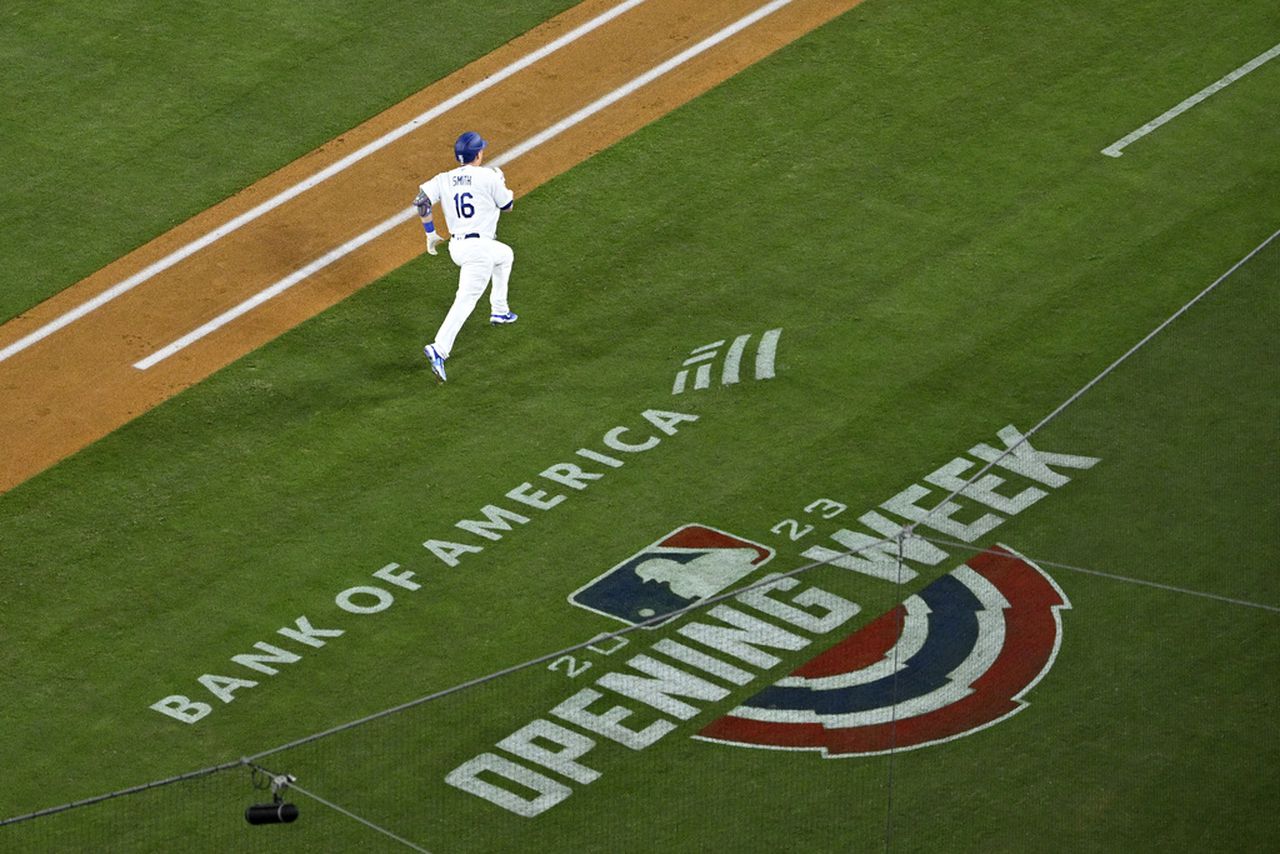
{"x": 479, "y": 260}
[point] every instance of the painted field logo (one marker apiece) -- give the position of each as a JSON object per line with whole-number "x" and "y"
{"x": 951, "y": 660}
{"x": 686, "y": 566}
{"x": 701, "y": 359}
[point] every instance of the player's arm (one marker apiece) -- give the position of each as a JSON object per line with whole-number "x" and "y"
{"x": 423, "y": 203}
{"x": 502, "y": 192}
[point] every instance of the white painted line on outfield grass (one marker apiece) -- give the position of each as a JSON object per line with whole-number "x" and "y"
{"x": 408, "y": 213}
{"x": 301, "y": 187}
{"x": 1114, "y": 149}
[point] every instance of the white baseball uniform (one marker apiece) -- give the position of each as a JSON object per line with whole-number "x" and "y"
{"x": 472, "y": 197}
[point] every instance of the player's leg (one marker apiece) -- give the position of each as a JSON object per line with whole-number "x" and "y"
{"x": 474, "y": 271}
{"x": 503, "y": 258}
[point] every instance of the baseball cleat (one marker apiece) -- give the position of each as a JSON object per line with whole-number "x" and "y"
{"x": 500, "y": 319}
{"x": 437, "y": 361}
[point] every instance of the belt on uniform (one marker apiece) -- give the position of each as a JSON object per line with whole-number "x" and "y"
{"x": 472, "y": 234}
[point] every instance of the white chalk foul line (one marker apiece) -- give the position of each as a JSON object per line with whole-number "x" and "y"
{"x": 278, "y": 288}
{"x": 408, "y": 213}
{"x": 1115, "y": 148}
{"x": 301, "y": 187}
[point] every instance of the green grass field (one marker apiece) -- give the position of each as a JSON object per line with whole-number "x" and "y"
{"x": 914, "y": 195}
{"x": 126, "y": 118}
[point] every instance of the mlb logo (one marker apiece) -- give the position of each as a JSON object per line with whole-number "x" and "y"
{"x": 688, "y": 565}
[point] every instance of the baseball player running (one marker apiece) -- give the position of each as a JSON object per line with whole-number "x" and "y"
{"x": 471, "y": 197}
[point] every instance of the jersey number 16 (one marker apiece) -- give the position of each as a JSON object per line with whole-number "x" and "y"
{"x": 463, "y": 206}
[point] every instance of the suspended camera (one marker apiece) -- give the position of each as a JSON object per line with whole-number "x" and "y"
{"x": 276, "y": 812}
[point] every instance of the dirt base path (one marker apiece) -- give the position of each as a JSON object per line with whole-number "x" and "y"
{"x": 93, "y": 357}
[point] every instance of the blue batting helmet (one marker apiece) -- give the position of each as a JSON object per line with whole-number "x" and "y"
{"x": 468, "y": 146}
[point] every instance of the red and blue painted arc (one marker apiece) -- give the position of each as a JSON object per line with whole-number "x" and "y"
{"x": 952, "y": 660}
{"x": 953, "y": 632}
